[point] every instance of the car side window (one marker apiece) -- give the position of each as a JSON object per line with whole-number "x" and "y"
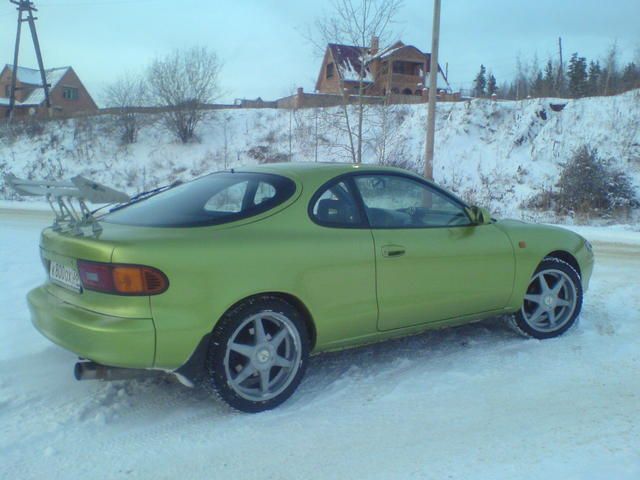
{"x": 228, "y": 200}
{"x": 393, "y": 201}
{"x": 336, "y": 207}
{"x": 264, "y": 192}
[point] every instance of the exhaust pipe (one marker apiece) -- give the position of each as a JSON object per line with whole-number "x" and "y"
{"x": 95, "y": 371}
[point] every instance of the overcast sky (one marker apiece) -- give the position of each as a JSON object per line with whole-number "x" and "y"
{"x": 264, "y": 52}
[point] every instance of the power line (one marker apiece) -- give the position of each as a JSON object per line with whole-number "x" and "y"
{"x": 99, "y": 2}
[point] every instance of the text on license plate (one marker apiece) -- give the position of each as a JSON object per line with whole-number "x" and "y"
{"x": 65, "y": 276}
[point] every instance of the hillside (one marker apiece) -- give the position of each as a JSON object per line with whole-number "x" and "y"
{"x": 497, "y": 154}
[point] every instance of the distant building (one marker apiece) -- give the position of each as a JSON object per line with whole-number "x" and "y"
{"x": 66, "y": 92}
{"x": 399, "y": 70}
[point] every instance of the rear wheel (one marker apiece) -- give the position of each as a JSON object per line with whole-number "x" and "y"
{"x": 258, "y": 354}
{"x": 552, "y": 302}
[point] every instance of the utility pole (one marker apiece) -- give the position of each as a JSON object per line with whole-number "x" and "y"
{"x": 316, "y": 133}
{"x": 291, "y": 134}
{"x": 25, "y": 14}
{"x": 560, "y": 80}
{"x": 433, "y": 92}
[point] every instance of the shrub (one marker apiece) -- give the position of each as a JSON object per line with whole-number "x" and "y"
{"x": 265, "y": 154}
{"x": 589, "y": 184}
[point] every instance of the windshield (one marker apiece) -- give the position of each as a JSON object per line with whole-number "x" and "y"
{"x": 211, "y": 200}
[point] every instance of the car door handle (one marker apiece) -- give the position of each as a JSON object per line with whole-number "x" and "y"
{"x": 393, "y": 251}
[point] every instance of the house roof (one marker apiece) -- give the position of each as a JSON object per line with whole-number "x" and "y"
{"x": 28, "y": 76}
{"x": 31, "y": 77}
{"x": 348, "y": 60}
{"x": 386, "y": 52}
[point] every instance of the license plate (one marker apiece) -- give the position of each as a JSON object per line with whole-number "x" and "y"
{"x": 65, "y": 276}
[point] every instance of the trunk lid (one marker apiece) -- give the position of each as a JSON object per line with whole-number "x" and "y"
{"x": 65, "y": 249}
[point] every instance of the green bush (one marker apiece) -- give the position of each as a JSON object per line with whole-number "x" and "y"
{"x": 589, "y": 184}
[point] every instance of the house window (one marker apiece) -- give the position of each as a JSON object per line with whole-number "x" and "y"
{"x": 330, "y": 68}
{"x": 7, "y": 91}
{"x": 406, "y": 68}
{"x": 70, "y": 93}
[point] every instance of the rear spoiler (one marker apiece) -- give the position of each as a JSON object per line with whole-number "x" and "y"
{"x": 60, "y": 196}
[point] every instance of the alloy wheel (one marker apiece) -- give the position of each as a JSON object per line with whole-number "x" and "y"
{"x": 550, "y": 301}
{"x": 262, "y": 356}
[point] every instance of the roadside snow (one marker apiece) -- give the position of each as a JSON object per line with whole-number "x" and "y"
{"x": 618, "y": 234}
{"x": 471, "y": 402}
{"x": 31, "y": 206}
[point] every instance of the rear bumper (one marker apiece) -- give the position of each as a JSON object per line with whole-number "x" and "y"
{"x": 109, "y": 340}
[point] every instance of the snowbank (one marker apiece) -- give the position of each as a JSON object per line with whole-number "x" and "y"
{"x": 496, "y": 154}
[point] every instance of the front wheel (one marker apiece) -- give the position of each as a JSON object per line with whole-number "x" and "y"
{"x": 552, "y": 302}
{"x": 258, "y": 354}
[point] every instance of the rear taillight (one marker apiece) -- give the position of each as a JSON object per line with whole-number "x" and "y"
{"x": 122, "y": 279}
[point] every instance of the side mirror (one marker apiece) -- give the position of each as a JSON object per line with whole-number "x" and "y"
{"x": 479, "y": 216}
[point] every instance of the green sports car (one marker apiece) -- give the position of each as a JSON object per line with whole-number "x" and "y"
{"x": 235, "y": 278}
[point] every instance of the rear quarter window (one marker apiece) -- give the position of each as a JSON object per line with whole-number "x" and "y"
{"x": 211, "y": 200}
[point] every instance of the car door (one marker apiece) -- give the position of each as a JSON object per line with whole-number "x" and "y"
{"x": 340, "y": 266}
{"x": 432, "y": 263}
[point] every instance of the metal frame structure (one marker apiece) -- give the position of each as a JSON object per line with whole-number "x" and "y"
{"x": 61, "y": 196}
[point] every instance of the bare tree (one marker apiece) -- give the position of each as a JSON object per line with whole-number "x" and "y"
{"x": 611, "y": 69}
{"x": 356, "y": 22}
{"x": 126, "y": 93}
{"x": 388, "y": 140}
{"x": 184, "y": 81}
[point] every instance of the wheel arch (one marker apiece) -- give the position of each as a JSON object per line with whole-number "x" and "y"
{"x": 299, "y": 305}
{"x": 192, "y": 369}
{"x": 565, "y": 257}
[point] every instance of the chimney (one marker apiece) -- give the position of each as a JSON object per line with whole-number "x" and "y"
{"x": 375, "y": 45}
{"x": 299, "y": 101}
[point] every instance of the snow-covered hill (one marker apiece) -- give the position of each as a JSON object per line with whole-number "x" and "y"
{"x": 496, "y": 154}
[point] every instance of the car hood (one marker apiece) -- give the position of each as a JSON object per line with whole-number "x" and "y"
{"x": 537, "y": 231}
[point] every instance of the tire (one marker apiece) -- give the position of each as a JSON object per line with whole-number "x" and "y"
{"x": 255, "y": 369}
{"x": 552, "y": 303}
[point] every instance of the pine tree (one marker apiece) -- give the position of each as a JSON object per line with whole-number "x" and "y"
{"x": 588, "y": 183}
{"x": 560, "y": 84}
{"x": 630, "y": 77}
{"x": 595, "y": 73}
{"x": 577, "y": 73}
{"x": 492, "y": 85}
{"x": 522, "y": 79}
{"x": 538, "y": 85}
{"x": 549, "y": 80}
{"x": 480, "y": 82}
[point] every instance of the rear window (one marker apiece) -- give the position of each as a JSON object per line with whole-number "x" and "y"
{"x": 211, "y": 200}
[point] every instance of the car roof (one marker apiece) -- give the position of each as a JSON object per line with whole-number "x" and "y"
{"x": 318, "y": 170}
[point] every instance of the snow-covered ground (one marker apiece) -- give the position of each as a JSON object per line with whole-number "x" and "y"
{"x": 495, "y": 154}
{"x": 465, "y": 403}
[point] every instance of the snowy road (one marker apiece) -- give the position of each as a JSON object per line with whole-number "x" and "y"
{"x": 472, "y": 402}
